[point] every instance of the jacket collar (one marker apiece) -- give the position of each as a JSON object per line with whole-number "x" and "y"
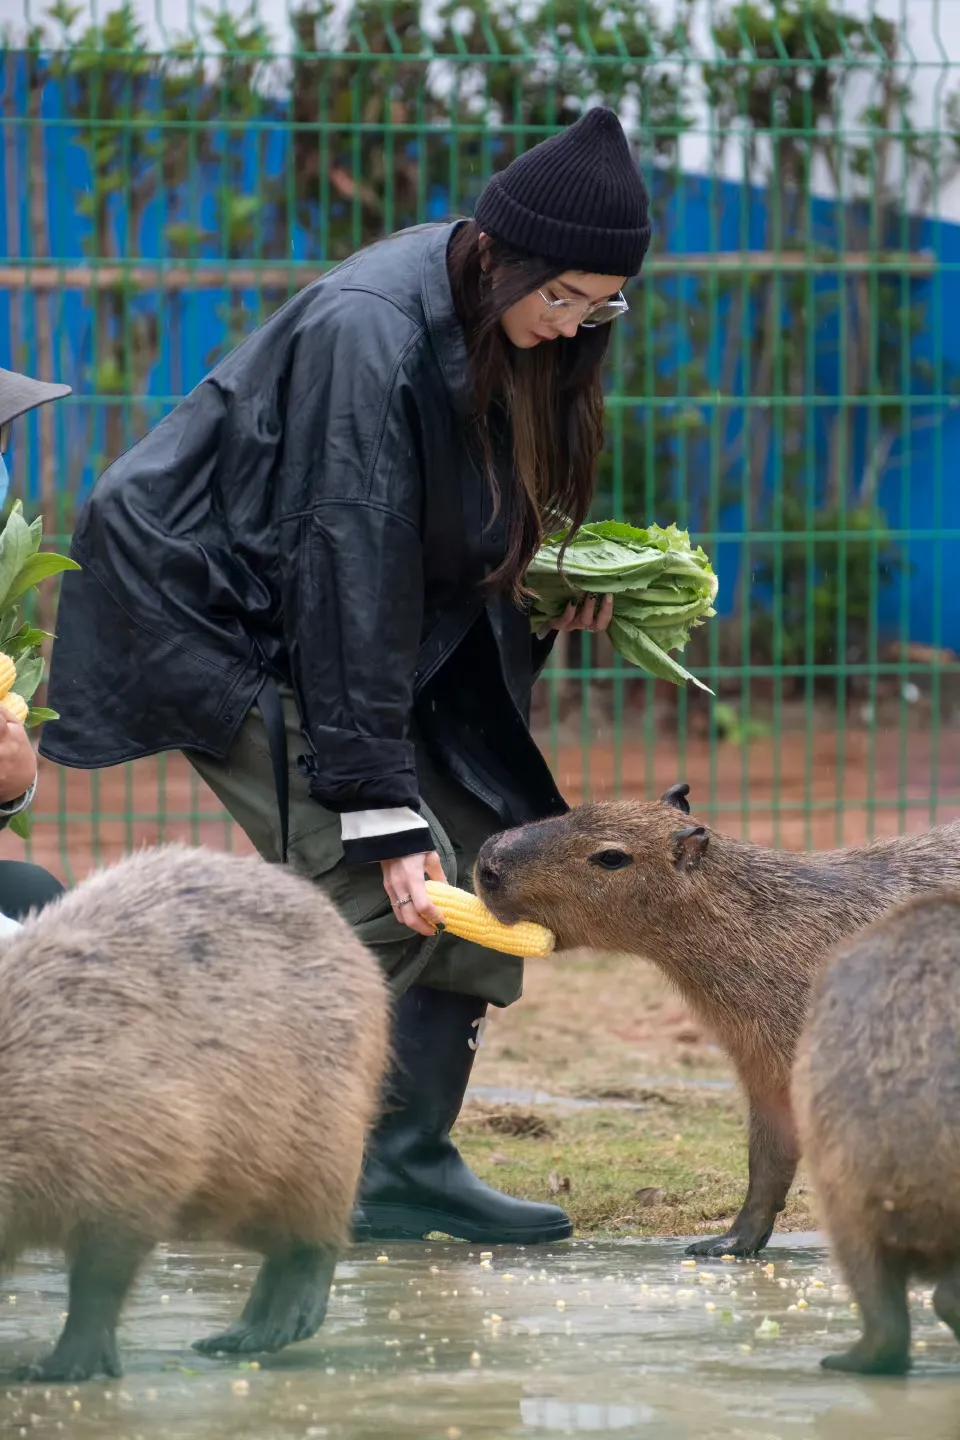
{"x": 443, "y": 324}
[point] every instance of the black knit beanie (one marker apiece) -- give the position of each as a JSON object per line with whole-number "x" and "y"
{"x": 577, "y": 199}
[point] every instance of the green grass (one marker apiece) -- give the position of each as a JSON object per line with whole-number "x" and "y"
{"x": 678, "y": 1167}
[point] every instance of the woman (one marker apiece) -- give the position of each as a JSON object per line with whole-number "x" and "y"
{"x": 309, "y": 577}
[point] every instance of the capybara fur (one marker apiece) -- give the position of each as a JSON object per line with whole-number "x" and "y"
{"x": 191, "y": 1044}
{"x": 876, "y": 1093}
{"x": 739, "y": 929}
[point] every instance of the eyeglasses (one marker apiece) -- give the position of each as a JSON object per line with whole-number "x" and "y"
{"x": 592, "y": 312}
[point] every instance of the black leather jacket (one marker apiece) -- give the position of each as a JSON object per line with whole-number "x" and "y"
{"x": 316, "y": 510}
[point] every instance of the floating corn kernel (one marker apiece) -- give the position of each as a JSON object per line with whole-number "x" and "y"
{"x": 467, "y": 916}
{"x": 15, "y": 706}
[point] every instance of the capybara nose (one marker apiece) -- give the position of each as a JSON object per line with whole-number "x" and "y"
{"x": 488, "y": 873}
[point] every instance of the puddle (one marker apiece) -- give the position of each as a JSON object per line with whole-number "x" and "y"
{"x": 499, "y": 1095}
{"x": 439, "y": 1343}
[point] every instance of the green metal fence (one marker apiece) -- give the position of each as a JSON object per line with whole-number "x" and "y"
{"x": 785, "y": 385}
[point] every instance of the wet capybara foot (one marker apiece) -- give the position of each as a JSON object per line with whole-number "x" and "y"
{"x": 288, "y": 1303}
{"x": 863, "y": 1359}
{"x": 104, "y": 1261}
{"x": 77, "y": 1357}
{"x": 733, "y": 1243}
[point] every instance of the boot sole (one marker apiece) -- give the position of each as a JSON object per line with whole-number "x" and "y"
{"x": 396, "y": 1222}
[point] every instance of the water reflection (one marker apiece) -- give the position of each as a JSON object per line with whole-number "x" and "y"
{"x": 447, "y": 1342}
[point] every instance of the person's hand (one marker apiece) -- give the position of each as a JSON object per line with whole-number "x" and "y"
{"x": 403, "y": 882}
{"x": 18, "y": 761}
{"x": 593, "y": 613}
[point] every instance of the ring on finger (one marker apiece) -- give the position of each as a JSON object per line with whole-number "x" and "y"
{"x": 407, "y": 900}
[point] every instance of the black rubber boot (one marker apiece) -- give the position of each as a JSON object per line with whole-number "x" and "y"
{"x": 25, "y": 887}
{"x": 415, "y": 1180}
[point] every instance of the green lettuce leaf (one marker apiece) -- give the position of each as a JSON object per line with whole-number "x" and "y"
{"x": 663, "y": 588}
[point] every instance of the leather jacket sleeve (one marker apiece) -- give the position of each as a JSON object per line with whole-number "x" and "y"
{"x": 352, "y": 580}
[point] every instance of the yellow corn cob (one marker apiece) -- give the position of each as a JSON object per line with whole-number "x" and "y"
{"x": 15, "y": 706}
{"x": 467, "y": 916}
{"x": 8, "y": 673}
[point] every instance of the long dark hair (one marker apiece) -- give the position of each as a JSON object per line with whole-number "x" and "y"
{"x": 551, "y": 396}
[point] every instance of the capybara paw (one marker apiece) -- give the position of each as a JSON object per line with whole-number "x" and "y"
{"x": 721, "y": 1245}
{"x": 238, "y": 1340}
{"x": 72, "y": 1367}
{"x": 260, "y": 1338}
{"x": 858, "y": 1360}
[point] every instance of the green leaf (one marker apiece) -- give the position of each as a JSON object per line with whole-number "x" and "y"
{"x": 37, "y": 569}
{"x": 39, "y": 715}
{"x": 16, "y": 549}
{"x": 9, "y": 625}
{"x": 637, "y": 647}
{"x": 21, "y": 825}
{"x": 24, "y": 639}
{"x": 29, "y": 676}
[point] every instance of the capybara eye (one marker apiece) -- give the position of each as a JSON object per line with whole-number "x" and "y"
{"x": 611, "y": 859}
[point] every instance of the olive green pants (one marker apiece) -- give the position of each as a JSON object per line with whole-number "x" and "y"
{"x": 243, "y": 783}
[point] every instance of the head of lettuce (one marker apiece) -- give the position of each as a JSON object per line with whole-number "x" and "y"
{"x": 663, "y": 588}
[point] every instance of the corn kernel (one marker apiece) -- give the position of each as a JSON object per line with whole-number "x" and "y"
{"x": 15, "y": 706}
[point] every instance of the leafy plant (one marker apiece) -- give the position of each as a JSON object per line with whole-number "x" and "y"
{"x": 23, "y": 566}
{"x": 730, "y": 725}
{"x": 662, "y": 588}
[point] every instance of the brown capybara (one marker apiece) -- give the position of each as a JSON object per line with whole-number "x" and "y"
{"x": 876, "y": 1092}
{"x": 739, "y": 929}
{"x": 191, "y": 1044}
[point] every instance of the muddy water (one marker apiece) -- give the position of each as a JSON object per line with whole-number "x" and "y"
{"x": 443, "y": 1342}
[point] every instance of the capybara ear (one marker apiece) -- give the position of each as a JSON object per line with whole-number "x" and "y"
{"x": 677, "y": 797}
{"x": 690, "y": 846}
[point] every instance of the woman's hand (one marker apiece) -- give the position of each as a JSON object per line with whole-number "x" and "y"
{"x": 593, "y": 613}
{"x": 18, "y": 760}
{"x": 403, "y": 882}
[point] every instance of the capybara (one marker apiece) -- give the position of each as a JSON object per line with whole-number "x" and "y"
{"x": 191, "y": 1044}
{"x": 739, "y": 929}
{"x": 876, "y": 1091}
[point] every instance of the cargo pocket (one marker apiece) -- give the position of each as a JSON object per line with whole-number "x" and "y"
{"x": 372, "y": 904}
{"x": 315, "y": 851}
